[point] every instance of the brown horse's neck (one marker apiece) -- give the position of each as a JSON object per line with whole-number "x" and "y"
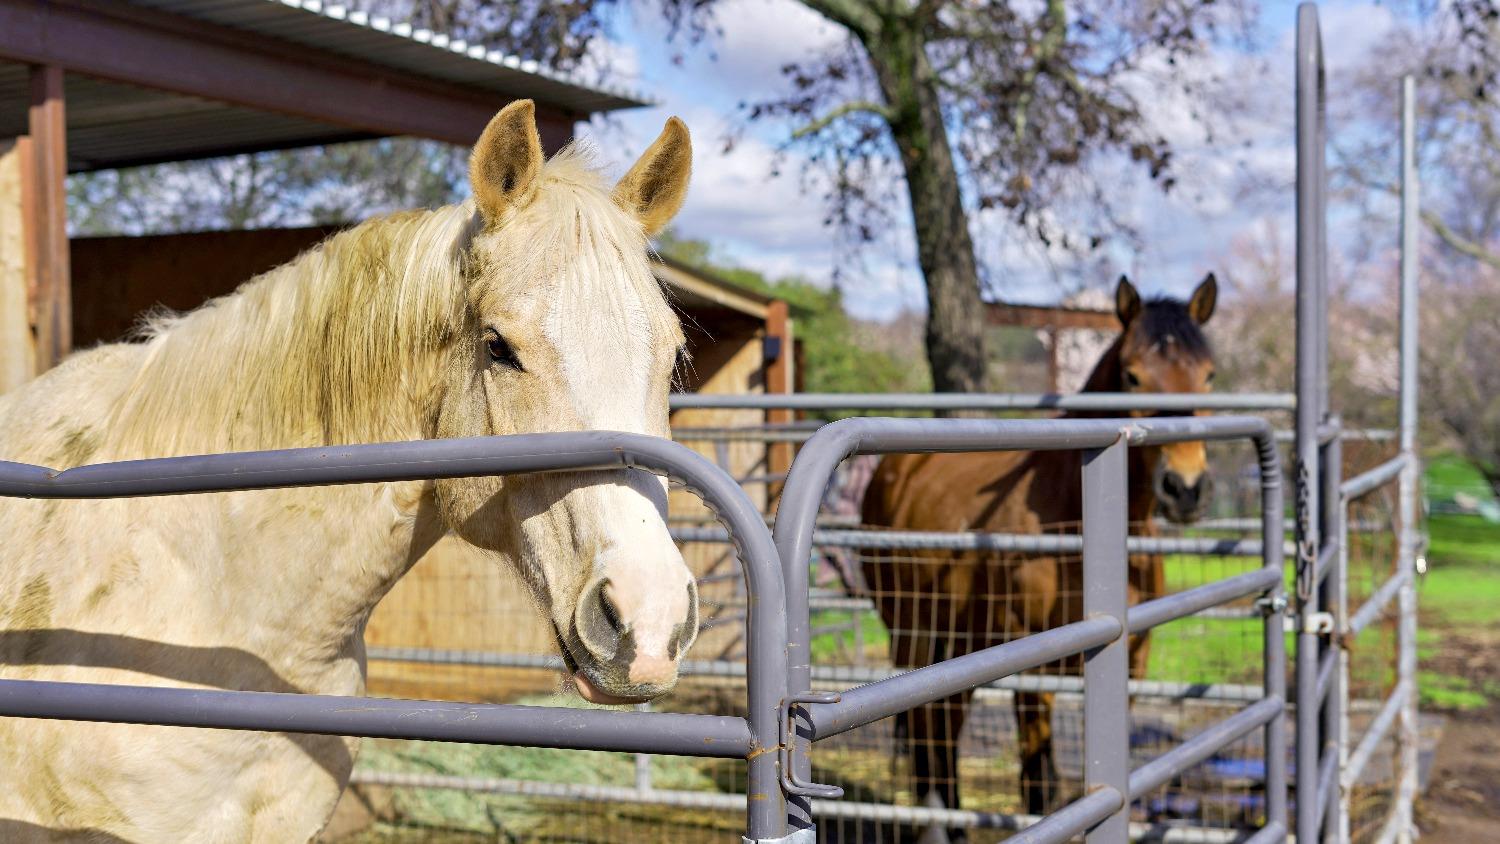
{"x": 1106, "y": 377}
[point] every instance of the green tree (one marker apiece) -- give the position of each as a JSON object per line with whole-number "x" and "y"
{"x": 833, "y": 359}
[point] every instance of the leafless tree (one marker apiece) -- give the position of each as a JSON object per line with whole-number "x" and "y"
{"x": 972, "y": 105}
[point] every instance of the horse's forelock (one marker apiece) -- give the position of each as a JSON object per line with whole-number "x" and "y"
{"x": 1166, "y": 324}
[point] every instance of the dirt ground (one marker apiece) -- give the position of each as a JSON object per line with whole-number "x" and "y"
{"x": 1462, "y": 802}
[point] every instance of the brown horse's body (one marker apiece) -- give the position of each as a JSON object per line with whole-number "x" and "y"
{"x": 943, "y": 604}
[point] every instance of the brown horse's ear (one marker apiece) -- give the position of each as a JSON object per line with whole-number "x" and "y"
{"x": 1127, "y": 301}
{"x": 655, "y": 187}
{"x": 505, "y": 163}
{"x": 1201, "y": 306}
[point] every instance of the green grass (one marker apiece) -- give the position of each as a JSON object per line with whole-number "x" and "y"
{"x": 837, "y": 647}
{"x": 1449, "y": 691}
{"x": 1460, "y": 593}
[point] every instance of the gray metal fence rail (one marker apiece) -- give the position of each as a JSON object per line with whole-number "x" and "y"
{"x": 785, "y": 714}
{"x": 754, "y": 738}
{"x": 1101, "y": 636}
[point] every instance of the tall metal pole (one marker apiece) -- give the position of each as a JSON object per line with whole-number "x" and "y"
{"x": 1106, "y": 670}
{"x": 1406, "y": 639}
{"x": 1311, "y": 385}
{"x": 1335, "y": 597}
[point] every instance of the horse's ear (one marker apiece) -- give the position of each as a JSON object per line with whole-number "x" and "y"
{"x": 1201, "y": 306}
{"x": 1127, "y": 301}
{"x": 655, "y": 187}
{"x": 505, "y": 163}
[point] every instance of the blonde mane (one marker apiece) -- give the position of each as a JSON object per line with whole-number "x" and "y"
{"x": 346, "y": 342}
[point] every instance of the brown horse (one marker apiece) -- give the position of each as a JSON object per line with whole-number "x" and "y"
{"x": 942, "y": 604}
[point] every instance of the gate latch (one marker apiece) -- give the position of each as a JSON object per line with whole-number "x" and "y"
{"x": 790, "y": 782}
{"x": 1320, "y": 623}
{"x": 1271, "y": 606}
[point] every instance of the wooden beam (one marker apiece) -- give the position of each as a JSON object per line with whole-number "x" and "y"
{"x": 144, "y": 47}
{"x": 1036, "y": 316}
{"x": 779, "y": 375}
{"x": 50, "y": 291}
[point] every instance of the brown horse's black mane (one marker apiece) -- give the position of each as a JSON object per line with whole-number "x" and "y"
{"x": 1167, "y": 320}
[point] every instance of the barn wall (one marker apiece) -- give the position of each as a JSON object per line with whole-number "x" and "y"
{"x": 117, "y": 279}
{"x": 17, "y": 343}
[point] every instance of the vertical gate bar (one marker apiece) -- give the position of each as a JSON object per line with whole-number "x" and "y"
{"x": 1335, "y": 596}
{"x": 1106, "y": 670}
{"x": 1310, "y": 386}
{"x": 1273, "y": 530}
{"x": 1411, "y": 474}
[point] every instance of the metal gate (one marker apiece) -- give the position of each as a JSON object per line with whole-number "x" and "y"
{"x": 784, "y": 715}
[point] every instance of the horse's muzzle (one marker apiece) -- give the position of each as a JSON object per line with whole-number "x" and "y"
{"x": 1180, "y": 501}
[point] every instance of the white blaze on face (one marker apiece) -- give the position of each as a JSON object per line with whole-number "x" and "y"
{"x": 602, "y": 328}
{"x": 603, "y": 336}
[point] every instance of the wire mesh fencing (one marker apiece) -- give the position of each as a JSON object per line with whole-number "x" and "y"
{"x": 996, "y": 758}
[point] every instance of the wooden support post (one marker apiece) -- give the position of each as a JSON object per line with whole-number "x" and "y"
{"x": 17, "y": 342}
{"x": 779, "y": 357}
{"x": 47, "y": 215}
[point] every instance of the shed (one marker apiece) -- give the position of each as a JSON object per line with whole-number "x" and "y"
{"x": 98, "y": 84}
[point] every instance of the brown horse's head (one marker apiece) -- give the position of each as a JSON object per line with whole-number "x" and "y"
{"x": 1162, "y": 349}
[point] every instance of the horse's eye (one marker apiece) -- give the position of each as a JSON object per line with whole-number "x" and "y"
{"x": 501, "y": 351}
{"x": 1209, "y": 378}
{"x": 1131, "y": 380}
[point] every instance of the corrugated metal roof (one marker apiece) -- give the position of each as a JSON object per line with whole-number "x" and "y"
{"x": 114, "y": 125}
{"x": 339, "y": 29}
{"x": 111, "y": 124}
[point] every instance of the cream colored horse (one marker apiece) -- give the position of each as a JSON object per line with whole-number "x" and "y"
{"x": 530, "y": 308}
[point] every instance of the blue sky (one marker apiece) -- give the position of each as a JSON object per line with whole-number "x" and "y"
{"x": 772, "y": 224}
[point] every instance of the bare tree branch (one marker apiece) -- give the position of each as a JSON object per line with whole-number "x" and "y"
{"x": 853, "y": 107}
{"x": 1458, "y": 242}
{"x": 858, "y": 17}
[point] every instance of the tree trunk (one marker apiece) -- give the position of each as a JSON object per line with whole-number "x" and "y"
{"x": 945, "y": 252}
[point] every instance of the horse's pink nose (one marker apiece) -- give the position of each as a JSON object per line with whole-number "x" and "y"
{"x": 646, "y": 670}
{"x": 631, "y": 637}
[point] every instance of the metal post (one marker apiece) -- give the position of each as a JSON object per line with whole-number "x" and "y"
{"x": 643, "y": 760}
{"x": 1106, "y": 670}
{"x": 1311, "y": 388}
{"x": 1272, "y": 504}
{"x": 1411, "y": 474}
{"x": 1336, "y": 602}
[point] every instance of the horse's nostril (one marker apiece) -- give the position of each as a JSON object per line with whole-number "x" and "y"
{"x": 608, "y": 609}
{"x": 1172, "y": 484}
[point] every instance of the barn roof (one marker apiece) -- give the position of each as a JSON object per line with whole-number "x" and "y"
{"x": 160, "y": 80}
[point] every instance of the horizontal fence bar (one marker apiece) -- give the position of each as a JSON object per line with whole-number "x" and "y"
{"x": 1144, "y": 616}
{"x": 1027, "y": 543}
{"x": 1373, "y": 606}
{"x": 348, "y": 464}
{"x": 1201, "y": 746}
{"x": 1326, "y": 557}
{"x": 1328, "y": 781}
{"x": 1327, "y": 664}
{"x": 986, "y": 401}
{"x": 1379, "y": 728}
{"x": 1271, "y": 833}
{"x": 836, "y": 675}
{"x": 734, "y": 803}
{"x": 1072, "y": 819}
{"x": 1367, "y": 482}
{"x": 760, "y": 435}
{"x": 1394, "y": 826}
{"x": 884, "y": 698}
{"x": 677, "y": 734}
